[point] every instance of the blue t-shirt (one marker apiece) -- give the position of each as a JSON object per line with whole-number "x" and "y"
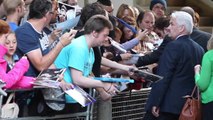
{"x": 76, "y": 55}
{"x": 13, "y": 26}
{"x": 29, "y": 39}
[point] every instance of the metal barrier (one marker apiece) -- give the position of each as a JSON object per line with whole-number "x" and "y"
{"x": 125, "y": 106}
{"x": 128, "y": 105}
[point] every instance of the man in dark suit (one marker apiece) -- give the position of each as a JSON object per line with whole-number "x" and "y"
{"x": 176, "y": 65}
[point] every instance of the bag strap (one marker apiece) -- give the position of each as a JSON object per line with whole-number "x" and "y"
{"x": 12, "y": 95}
{"x": 197, "y": 92}
{"x": 193, "y": 92}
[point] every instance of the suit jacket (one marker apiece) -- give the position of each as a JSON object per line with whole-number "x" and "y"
{"x": 200, "y": 37}
{"x": 154, "y": 56}
{"x": 176, "y": 65}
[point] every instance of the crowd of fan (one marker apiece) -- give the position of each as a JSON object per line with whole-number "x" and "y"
{"x": 171, "y": 44}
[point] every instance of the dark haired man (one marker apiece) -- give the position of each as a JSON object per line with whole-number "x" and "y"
{"x": 30, "y": 42}
{"x": 87, "y": 12}
{"x": 78, "y": 57}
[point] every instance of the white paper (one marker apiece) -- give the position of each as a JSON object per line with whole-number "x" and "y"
{"x": 80, "y": 96}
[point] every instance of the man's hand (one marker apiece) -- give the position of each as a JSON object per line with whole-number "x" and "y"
{"x": 55, "y": 34}
{"x": 67, "y": 37}
{"x": 111, "y": 88}
{"x": 142, "y": 34}
{"x": 155, "y": 111}
{"x": 61, "y": 78}
{"x": 131, "y": 69}
{"x": 66, "y": 86}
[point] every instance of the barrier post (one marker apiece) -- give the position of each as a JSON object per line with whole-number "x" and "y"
{"x": 104, "y": 110}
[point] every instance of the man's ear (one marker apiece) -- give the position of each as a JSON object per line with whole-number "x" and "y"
{"x": 46, "y": 16}
{"x": 94, "y": 34}
{"x": 182, "y": 28}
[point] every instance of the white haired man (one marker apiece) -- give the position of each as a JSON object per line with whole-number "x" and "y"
{"x": 176, "y": 65}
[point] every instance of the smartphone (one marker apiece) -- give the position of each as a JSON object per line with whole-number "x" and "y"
{"x": 65, "y": 31}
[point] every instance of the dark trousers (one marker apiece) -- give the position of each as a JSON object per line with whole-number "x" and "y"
{"x": 163, "y": 116}
{"x": 149, "y": 116}
{"x": 207, "y": 111}
{"x": 168, "y": 116}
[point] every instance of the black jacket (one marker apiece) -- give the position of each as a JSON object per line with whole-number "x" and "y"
{"x": 200, "y": 37}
